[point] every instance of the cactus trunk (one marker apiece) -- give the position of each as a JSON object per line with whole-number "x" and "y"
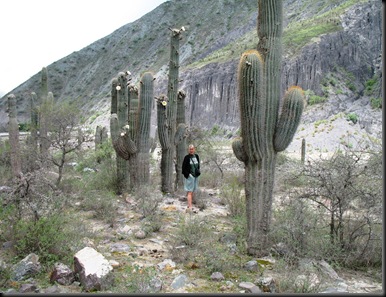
{"x": 167, "y": 133}
{"x": 143, "y": 138}
{"x": 133, "y": 131}
{"x": 180, "y": 140}
{"x": 264, "y": 132}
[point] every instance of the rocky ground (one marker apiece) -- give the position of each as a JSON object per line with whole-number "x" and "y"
{"x": 120, "y": 243}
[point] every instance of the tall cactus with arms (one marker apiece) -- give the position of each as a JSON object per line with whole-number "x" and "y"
{"x": 264, "y": 131}
{"x": 130, "y": 129}
{"x": 167, "y": 115}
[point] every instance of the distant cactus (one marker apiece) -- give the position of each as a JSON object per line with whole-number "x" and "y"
{"x": 166, "y": 134}
{"x": 44, "y": 109}
{"x": 100, "y": 136}
{"x": 264, "y": 132}
{"x": 34, "y": 119}
{"x": 13, "y": 130}
{"x": 303, "y": 151}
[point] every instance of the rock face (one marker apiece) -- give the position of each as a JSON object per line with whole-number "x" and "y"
{"x": 211, "y": 90}
{"x": 93, "y": 269}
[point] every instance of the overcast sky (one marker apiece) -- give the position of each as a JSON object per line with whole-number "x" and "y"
{"x": 36, "y": 33}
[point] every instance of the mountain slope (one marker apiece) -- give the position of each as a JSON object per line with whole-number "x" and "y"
{"x": 318, "y": 37}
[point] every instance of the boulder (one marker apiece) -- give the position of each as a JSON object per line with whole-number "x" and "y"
{"x": 93, "y": 268}
{"x": 62, "y": 274}
{"x": 250, "y": 287}
{"x": 25, "y": 268}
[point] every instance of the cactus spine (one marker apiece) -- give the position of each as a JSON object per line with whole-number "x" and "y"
{"x": 166, "y": 134}
{"x": 264, "y": 132}
{"x": 13, "y": 130}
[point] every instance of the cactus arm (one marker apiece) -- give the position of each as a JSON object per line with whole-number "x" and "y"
{"x": 122, "y": 100}
{"x": 162, "y": 124}
{"x": 114, "y": 92}
{"x": 289, "y": 119}
{"x": 133, "y": 110}
{"x": 180, "y": 133}
{"x": 238, "y": 150}
{"x": 252, "y": 105}
{"x": 122, "y": 143}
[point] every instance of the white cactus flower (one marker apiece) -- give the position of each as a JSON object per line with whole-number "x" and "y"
{"x": 118, "y": 88}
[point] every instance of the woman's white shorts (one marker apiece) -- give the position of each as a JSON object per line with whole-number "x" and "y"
{"x": 191, "y": 183}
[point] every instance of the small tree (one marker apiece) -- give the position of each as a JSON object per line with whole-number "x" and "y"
{"x": 348, "y": 186}
{"x": 62, "y": 122}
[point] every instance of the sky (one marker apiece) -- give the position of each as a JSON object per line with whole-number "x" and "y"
{"x": 36, "y": 33}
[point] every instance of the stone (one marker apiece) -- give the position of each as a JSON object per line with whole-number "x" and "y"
{"x": 155, "y": 285}
{"x": 165, "y": 264}
{"x": 27, "y": 267}
{"x": 120, "y": 248}
{"x": 140, "y": 234}
{"x": 252, "y": 265}
{"x": 217, "y": 276}
{"x": 28, "y": 288}
{"x": 179, "y": 282}
{"x": 327, "y": 269}
{"x": 93, "y": 268}
{"x": 250, "y": 287}
{"x": 267, "y": 284}
{"x": 62, "y": 274}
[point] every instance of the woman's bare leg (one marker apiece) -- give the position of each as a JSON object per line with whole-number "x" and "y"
{"x": 190, "y": 199}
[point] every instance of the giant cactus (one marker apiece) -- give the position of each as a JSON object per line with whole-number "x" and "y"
{"x": 264, "y": 132}
{"x": 13, "y": 130}
{"x": 166, "y": 134}
{"x": 130, "y": 129}
{"x": 119, "y": 120}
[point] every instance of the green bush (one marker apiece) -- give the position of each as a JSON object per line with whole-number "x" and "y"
{"x": 45, "y": 237}
{"x": 233, "y": 196}
{"x": 315, "y": 99}
{"x": 353, "y": 117}
{"x": 24, "y": 127}
{"x": 102, "y": 203}
{"x": 134, "y": 279}
{"x": 376, "y": 103}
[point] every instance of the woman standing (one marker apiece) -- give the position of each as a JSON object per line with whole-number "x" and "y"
{"x": 191, "y": 172}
